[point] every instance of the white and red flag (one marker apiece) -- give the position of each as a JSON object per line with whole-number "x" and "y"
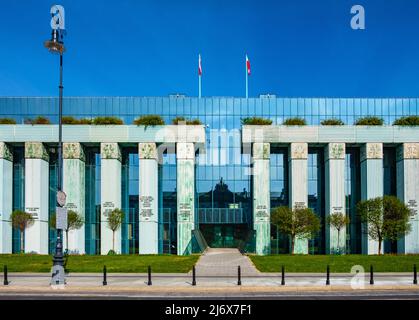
{"x": 248, "y": 65}
{"x": 199, "y": 66}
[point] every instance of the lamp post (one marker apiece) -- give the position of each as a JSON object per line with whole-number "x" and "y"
{"x": 56, "y": 46}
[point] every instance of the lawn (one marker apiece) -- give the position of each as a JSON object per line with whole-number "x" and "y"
{"x": 342, "y": 263}
{"x": 87, "y": 263}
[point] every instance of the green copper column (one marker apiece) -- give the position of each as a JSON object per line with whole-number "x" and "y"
{"x": 261, "y": 197}
{"x": 6, "y": 197}
{"x": 408, "y": 192}
{"x": 335, "y": 195}
{"x": 372, "y": 186}
{"x": 185, "y": 154}
{"x": 74, "y": 187}
{"x": 298, "y": 187}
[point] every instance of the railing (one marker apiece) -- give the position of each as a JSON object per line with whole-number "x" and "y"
{"x": 221, "y": 216}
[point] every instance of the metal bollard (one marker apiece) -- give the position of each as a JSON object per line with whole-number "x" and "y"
{"x": 239, "y": 276}
{"x": 149, "y": 276}
{"x": 283, "y": 276}
{"x": 104, "y": 276}
{"x": 6, "y": 281}
{"x": 371, "y": 275}
{"x": 415, "y": 275}
{"x": 193, "y": 276}
{"x": 327, "y": 275}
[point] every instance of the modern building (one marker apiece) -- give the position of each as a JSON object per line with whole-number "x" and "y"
{"x": 179, "y": 185}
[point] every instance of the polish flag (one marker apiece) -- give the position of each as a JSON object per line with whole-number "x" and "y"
{"x": 199, "y": 66}
{"x": 248, "y": 65}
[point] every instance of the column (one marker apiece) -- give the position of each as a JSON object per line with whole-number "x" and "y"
{"x": 298, "y": 188}
{"x": 36, "y": 196}
{"x": 185, "y": 154}
{"x": 6, "y": 197}
{"x": 335, "y": 195}
{"x": 408, "y": 191}
{"x": 74, "y": 187}
{"x": 110, "y": 193}
{"x": 148, "y": 197}
{"x": 261, "y": 197}
{"x": 371, "y": 186}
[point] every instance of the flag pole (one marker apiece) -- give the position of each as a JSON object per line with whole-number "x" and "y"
{"x": 247, "y": 80}
{"x": 199, "y": 86}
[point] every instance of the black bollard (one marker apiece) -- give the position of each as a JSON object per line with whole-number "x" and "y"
{"x": 283, "y": 276}
{"x": 193, "y": 276}
{"x": 371, "y": 275}
{"x": 239, "y": 276}
{"x": 104, "y": 276}
{"x": 415, "y": 275}
{"x": 327, "y": 275}
{"x": 149, "y": 276}
{"x": 5, "y": 282}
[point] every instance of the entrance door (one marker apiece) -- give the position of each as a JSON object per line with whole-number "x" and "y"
{"x": 223, "y": 235}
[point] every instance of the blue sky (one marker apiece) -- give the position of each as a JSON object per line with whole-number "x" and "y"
{"x": 297, "y": 48}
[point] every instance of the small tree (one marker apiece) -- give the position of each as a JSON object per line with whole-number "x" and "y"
{"x": 297, "y": 223}
{"x": 386, "y": 218}
{"x": 114, "y": 219}
{"x": 21, "y": 220}
{"x": 338, "y": 221}
{"x": 74, "y": 222}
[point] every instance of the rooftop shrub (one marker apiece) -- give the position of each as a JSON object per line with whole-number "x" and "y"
{"x": 74, "y": 121}
{"x": 149, "y": 120}
{"x": 107, "y": 121}
{"x": 7, "y": 121}
{"x": 295, "y": 122}
{"x": 369, "y": 121}
{"x": 256, "y": 121}
{"x": 407, "y": 121}
{"x": 332, "y": 122}
{"x": 38, "y": 120}
{"x": 183, "y": 120}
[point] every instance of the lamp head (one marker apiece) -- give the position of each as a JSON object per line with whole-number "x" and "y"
{"x": 55, "y": 45}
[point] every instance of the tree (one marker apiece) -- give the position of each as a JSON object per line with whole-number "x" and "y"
{"x": 385, "y": 218}
{"x": 74, "y": 222}
{"x": 114, "y": 219}
{"x": 297, "y": 223}
{"x": 338, "y": 221}
{"x": 21, "y": 220}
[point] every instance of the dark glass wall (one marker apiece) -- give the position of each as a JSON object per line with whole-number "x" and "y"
{"x": 18, "y": 191}
{"x": 52, "y": 203}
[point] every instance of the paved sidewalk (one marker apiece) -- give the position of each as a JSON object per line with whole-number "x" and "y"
{"x": 224, "y": 262}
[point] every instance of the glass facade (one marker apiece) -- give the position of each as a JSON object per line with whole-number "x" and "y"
{"x": 223, "y": 183}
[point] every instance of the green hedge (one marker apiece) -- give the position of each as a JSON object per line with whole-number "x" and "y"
{"x": 332, "y": 122}
{"x": 294, "y": 122}
{"x": 407, "y": 121}
{"x": 149, "y": 120}
{"x": 369, "y": 121}
{"x": 107, "y": 121}
{"x": 256, "y": 121}
{"x": 7, "y": 121}
{"x": 183, "y": 120}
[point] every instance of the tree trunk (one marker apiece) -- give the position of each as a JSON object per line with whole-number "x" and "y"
{"x": 66, "y": 239}
{"x": 292, "y": 244}
{"x": 338, "y": 241}
{"x": 113, "y": 241}
{"x": 22, "y": 242}
{"x": 379, "y": 245}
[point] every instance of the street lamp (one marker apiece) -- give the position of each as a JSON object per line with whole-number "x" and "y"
{"x": 56, "y": 46}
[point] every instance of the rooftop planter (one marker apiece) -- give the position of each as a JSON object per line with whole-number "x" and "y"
{"x": 294, "y": 122}
{"x": 100, "y": 121}
{"x": 7, "y": 121}
{"x": 183, "y": 120}
{"x": 149, "y": 120}
{"x": 256, "y": 121}
{"x": 407, "y": 121}
{"x": 369, "y": 121}
{"x": 332, "y": 122}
